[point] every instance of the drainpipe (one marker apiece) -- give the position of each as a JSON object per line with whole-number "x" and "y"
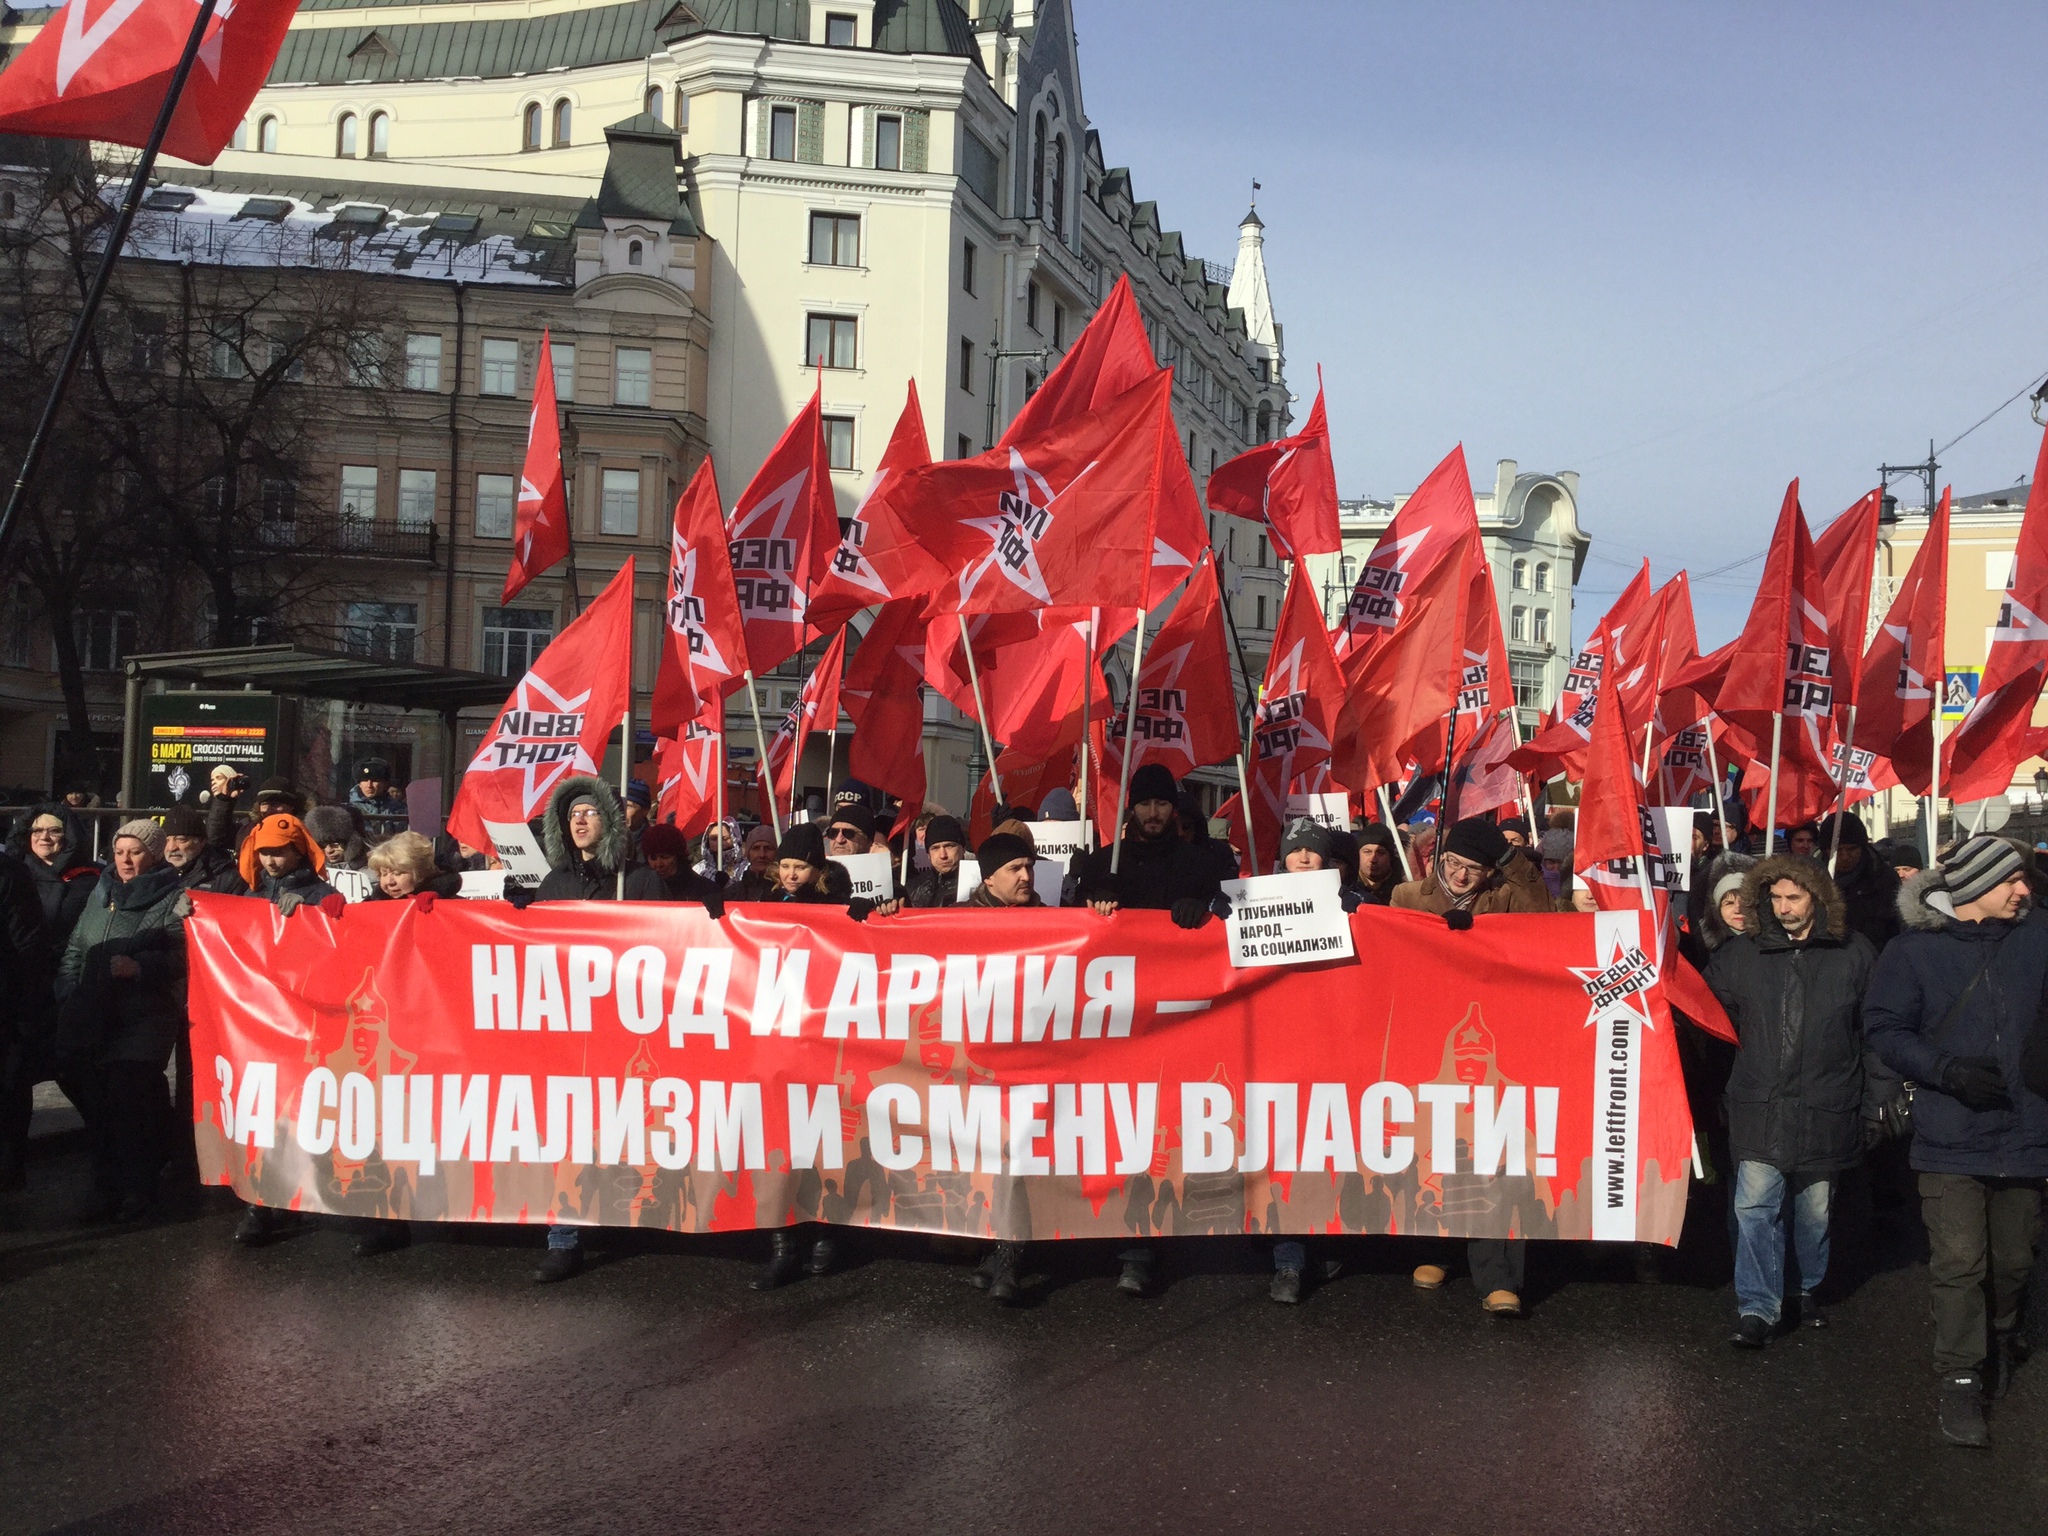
{"x": 454, "y": 479}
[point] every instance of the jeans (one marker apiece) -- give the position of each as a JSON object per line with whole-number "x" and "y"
{"x": 1760, "y": 1197}
{"x": 1290, "y": 1253}
{"x": 1977, "y": 1230}
{"x": 565, "y": 1237}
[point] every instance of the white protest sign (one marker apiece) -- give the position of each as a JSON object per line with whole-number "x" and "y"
{"x": 518, "y": 852}
{"x": 352, "y": 884}
{"x": 870, "y": 873}
{"x": 1671, "y": 864}
{"x": 1057, "y": 842}
{"x": 1286, "y": 919}
{"x": 1332, "y": 811}
{"x": 483, "y": 885}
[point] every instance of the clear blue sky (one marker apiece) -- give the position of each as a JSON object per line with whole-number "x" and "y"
{"x": 1689, "y": 251}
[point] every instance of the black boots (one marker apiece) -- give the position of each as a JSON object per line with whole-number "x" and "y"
{"x": 261, "y": 1223}
{"x": 1286, "y": 1288}
{"x": 1751, "y": 1332}
{"x": 783, "y": 1263}
{"x": 558, "y": 1264}
{"x": 824, "y": 1253}
{"x": 1006, "y": 1282}
{"x": 1962, "y": 1409}
{"x": 2009, "y": 1351}
{"x": 1136, "y": 1279}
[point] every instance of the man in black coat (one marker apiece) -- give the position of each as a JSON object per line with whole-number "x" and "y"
{"x": 1156, "y": 871}
{"x": 1793, "y": 984}
{"x": 945, "y": 884}
{"x": 27, "y": 961}
{"x": 1868, "y": 883}
{"x": 1953, "y": 1003}
{"x": 200, "y": 865}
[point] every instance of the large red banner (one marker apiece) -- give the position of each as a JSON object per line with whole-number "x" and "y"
{"x": 1031, "y": 1074}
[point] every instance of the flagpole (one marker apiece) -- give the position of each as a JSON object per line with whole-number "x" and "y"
{"x": 96, "y": 291}
{"x": 1087, "y": 701}
{"x": 1244, "y": 801}
{"x": 1714, "y": 768}
{"x": 1451, "y": 767}
{"x": 1123, "y": 788}
{"x": 1536, "y": 830}
{"x": 981, "y": 715}
{"x": 625, "y": 778}
{"x": 1934, "y": 775}
{"x": 718, "y": 795}
{"x": 761, "y": 752}
{"x": 831, "y": 751}
{"x": 1771, "y": 805}
{"x": 1387, "y": 821}
{"x": 1842, "y": 793}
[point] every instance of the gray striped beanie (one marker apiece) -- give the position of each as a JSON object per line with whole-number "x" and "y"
{"x": 1977, "y": 865}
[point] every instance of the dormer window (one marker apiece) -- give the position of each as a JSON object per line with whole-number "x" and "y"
{"x": 841, "y": 31}
{"x": 651, "y": 103}
{"x": 529, "y": 131}
{"x": 634, "y": 251}
{"x": 266, "y": 136}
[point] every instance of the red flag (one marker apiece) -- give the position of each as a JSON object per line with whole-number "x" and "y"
{"x": 1484, "y": 780}
{"x": 1845, "y": 560}
{"x": 540, "y": 529}
{"x": 1559, "y": 747}
{"x": 686, "y": 769}
{"x": 1186, "y": 705}
{"x": 1439, "y": 520}
{"x": 1300, "y": 717}
{"x": 556, "y": 721}
{"x": 816, "y": 708}
{"x": 1289, "y": 484}
{"x": 104, "y": 75}
{"x": 1479, "y": 684}
{"x": 1979, "y": 757}
{"x": 1610, "y": 822}
{"x": 703, "y": 649}
{"x": 1678, "y": 707}
{"x": 876, "y": 560}
{"x": 1901, "y": 685}
{"x": 882, "y": 696}
{"x": 1400, "y": 689}
{"x": 1063, "y": 519}
{"x": 781, "y": 536}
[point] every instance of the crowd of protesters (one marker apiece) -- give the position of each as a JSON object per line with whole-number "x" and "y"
{"x": 1885, "y": 1011}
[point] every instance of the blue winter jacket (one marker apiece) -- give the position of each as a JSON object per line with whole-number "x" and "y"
{"x": 1918, "y": 978}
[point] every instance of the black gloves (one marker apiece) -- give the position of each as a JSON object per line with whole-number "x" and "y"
{"x": 1190, "y": 912}
{"x": 1976, "y": 1081}
{"x": 1220, "y": 905}
{"x": 859, "y": 908}
{"x": 1458, "y": 919}
{"x": 714, "y": 905}
{"x": 1352, "y": 900}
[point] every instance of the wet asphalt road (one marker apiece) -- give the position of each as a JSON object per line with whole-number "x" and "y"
{"x": 154, "y": 1379}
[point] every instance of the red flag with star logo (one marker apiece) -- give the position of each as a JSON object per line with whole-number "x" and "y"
{"x": 1300, "y": 717}
{"x": 1978, "y": 759}
{"x": 100, "y": 69}
{"x": 555, "y": 724}
{"x": 877, "y": 561}
{"x": 781, "y": 536}
{"x": 1402, "y": 686}
{"x": 540, "y": 528}
{"x": 816, "y": 709}
{"x": 1845, "y": 561}
{"x": 703, "y": 650}
{"x": 883, "y": 697}
{"x": 1902, "y": 672}
{"x": 1060, "y": 520}
{"x": 1289, "y": 484}
{"x": 685, "y": 771}
{"x": 1437, "y": 522}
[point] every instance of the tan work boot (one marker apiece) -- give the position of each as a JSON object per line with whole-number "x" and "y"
{"x": 1503, "y": 1304}
{"x": 1429, "y": 1277}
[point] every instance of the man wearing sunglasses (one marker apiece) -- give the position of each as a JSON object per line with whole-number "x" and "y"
{"x": 851, "y": 830}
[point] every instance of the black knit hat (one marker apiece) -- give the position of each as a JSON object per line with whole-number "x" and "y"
{"x": 1312, "y": 835}
{"x": 944, "y": 829}
{"x": 1478, "y": 839}
{"x": 1154, "y": 781}
{"x": 853, "y": 813}
{"x": 1000, "y": 849}
{"x": 184, "y": 821}
{"x": 803, "y": 840}
{"x": 281, "y": 790}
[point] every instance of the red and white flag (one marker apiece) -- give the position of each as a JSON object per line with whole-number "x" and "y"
{"x": 877, "y": 561}
{"x": 703, "y": 651}
{"x": 1900, "y": 690}
{"x": 1484, "y": 780}
{"x": 540, "y": 528}
{"x": 1436, "y": 523}
{"x": 1845, "y": 561}
{"x": 686, "y": 768}
{"x": 101, "y": 71}
{"x": 1560, "y": 746}
{"x": 884, "y": 700}
{"x": 1289, "y": 484}
{"x": 1400, "y": 687}
{"x": 782, "y": 533}
{"x": 1300, "y": 717}
{"x": 1978, "y": 759}
{"x": 816, "y": 708}
{"x": 557, "y": 720}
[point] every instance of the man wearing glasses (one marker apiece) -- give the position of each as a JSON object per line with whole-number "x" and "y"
{"x": 851, "y": 829}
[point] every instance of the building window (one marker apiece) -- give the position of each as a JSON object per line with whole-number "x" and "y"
{"x": 1542, "y": 631}
{"x": 1030, "y": 383}
{"x": 1521, "y": 576}
{"x": 363, "y": 352}
{"x": 422, "y": 361}
{"x": 632, "y": 376}
{"x": 1059, "y": 325}
{"x": 500, "y": 367}
{"x": 416, "y": 500}
{"x": 1212, "y": 461}
{"x": 968, "y": 252}
{"x": 529, "y": 132}
{"x": 967, "y": 364}
{"x": 620, "y": 511}
{"x": 835, "y": 240}
{"x": 105, "y": 637}
{"x": 562, "y": 354}
{"x": 1261, "y": 611}
{"x": 279, "y": 501}
{"x": 1528, "y": 680}
{"x": 514, "y": 639}
{"x": 840, "y": 31}
{"x": 386, "y": 631}
{"x": 1518, "y": 625}
{"x": 1056, "y": 194}
{"x": 651, "y": 103}
{"x": 146, "y": 344}
{"x": 358, "y": 501}
{"x": 345, "y": 137}
{"x": 635, "y": 253}
{"x": 380, "y": 135}
{"x": 1031, "y": 305}
{"x": 1038, "y": 168}
{"x": 888, "y": 143}
{"x": 964, "y": 446}
{"x": 266, "y": 136}
{"x": 830, "y": 340}
{"x": 839, "y": 441}
{"x": 1542, "y": 578}
{"x": 782, "y": 133}
{"x": 496, "y": 498}
{"x": 562, "y": 123}
{"x": 1262, "y": 551}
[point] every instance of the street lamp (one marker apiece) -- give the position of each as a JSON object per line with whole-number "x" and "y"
{"x": 2041, "y": 786}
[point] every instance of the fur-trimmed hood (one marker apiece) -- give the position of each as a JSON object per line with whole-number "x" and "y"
{"x": 1713, "y": 932}
{"x": 1924, "y": 902}
{"x": 1809, "y": 873}
{"x": 610, "y": 852}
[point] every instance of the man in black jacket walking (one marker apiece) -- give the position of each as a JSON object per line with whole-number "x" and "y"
{"x": 1793, "y": 984}
{"x": 945, "y": 884}
{"x": 1951, "y": 1005}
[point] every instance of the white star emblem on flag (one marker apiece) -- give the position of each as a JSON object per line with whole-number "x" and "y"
{"x": 538, "y": 778}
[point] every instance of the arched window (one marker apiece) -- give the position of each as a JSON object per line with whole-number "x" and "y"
{"x": 380, "y": 135}
{"x": 562, "y": 123}
{"x": 1521, "y": 577}
{"x": 633, "y": 253}
{"x": 1543, "y": 578}
{"x": 652, "y": 104}
{"x": 1265, "y": 422}
{"x": 241, "y": 138}
{"x": 1056, "y": 193}
{"x": 345, "y": 136}
{"x": 266, "y": 136}
{"x": 1038, "y": 169}
{"x": 529, "y": 135}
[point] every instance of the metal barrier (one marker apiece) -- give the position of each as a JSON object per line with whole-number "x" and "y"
{"x": 103, "y": 819}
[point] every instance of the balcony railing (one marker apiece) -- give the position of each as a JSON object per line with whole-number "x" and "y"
{"x": 350, "y": 537}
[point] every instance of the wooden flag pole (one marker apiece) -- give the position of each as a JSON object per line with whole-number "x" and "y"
{"x": 625, "y": 779}
{"x": 1771, "y": 803}
{"x": 980, "y": 712}
{"x": 1714, "y": 768}
{"x": 1123, "y": 788}
{"x": 1244, "y": 801}
{"x": 761, "y": 756}
{"x": 1387, "y": 820}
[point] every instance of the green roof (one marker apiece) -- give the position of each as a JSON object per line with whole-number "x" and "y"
{"x": 901, "y": 26}
{"x": 640, "y": 176}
